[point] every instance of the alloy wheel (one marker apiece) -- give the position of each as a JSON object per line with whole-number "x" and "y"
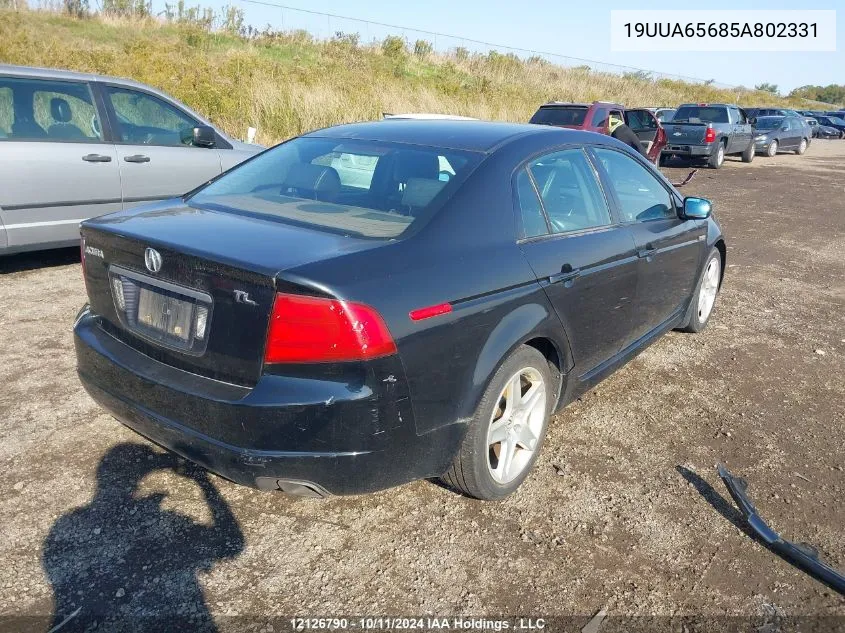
{"x": 516, "y": 425}
{"x": 709, "y": 289}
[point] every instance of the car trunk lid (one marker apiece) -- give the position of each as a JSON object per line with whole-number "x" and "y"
{"x": 195, "y": 292}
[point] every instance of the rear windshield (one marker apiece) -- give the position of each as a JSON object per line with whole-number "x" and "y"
{"x": 769, "y": 122}
{"x": 359, "y": 188}
{"x": 560, "y": 115}
{"x": 703, "y": 114}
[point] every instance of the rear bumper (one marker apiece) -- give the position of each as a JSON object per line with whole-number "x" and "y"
{"x": 702, "y": 151}
{"x": 352, "y": 432}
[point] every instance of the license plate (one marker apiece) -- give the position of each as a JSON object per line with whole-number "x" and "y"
{"x": 165, "y": 314}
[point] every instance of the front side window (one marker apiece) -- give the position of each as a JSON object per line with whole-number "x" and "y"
{"x": 42, "y": 110}
{"x": 143, "y": 119}
{"x": 353, "y": 187}
{"x": 599, "y": 118}
{"x": 571, "y": 195}
{"x": 641, "y": 195}
{"x": 640, "y": 120}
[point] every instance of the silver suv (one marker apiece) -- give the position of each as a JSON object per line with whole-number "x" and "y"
{"x": 74, "y": 146}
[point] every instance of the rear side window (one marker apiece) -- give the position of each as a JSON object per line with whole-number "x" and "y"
{"x": 354, "y": 187}
{"x": 533, "y": 218}
{"x": 560, "y": 115}
{"x": 703, "y": 114}
{"x": 570, "y": 192}
{"x": 641, "y": 195}
{"x": 42, "y": 110}
{"x": 143, "y": 119}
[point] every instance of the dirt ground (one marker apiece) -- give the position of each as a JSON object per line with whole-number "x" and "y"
{"x": 624, "y": 510}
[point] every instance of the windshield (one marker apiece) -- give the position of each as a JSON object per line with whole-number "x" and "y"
{"x": 769, "y": 122}
{"x": 556, "y": 115}
{"x": 360, "y": 188}
{"x": 836, "y": 120}
{"x": 703, "y": 114}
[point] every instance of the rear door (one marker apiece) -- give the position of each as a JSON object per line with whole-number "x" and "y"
{"x": 585, "y": 262}
{"x": 55, "y": 169}
{"x": 154, "y": 147}
{"x": 795, "y": 131}
{"x": 669, "y": 249}
{"x": 647, "y": 128}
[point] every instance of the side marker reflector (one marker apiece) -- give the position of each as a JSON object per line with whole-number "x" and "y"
{"x": 430, "y": 311}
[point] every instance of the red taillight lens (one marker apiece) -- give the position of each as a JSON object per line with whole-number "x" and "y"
{"x": 710, "y": 135}
{"x": 317, "y": 330}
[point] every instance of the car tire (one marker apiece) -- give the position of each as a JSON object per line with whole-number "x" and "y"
{"x": 717, "y": 157}
{"x": 802, "y": 147}
{"x": 477, "y": 470}
{"x": 748, "y": 154}
{"x": 706, "y": 290}
{"x": 773, "y": 149}
{"x": 664, "y": 160}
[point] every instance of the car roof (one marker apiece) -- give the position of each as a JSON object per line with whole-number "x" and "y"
{"x": 55, "y": 73}
{"x": 478, "y": 136}
{"x": 31, "y": 72}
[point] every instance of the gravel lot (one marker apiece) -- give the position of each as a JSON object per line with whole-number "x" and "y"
{"x": 624, "y": 510}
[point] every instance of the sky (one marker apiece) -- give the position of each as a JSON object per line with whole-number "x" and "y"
{"x": 576, "y": 29}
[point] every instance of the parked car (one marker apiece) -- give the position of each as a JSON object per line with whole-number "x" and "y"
{"x": 775, "y": 134}
{"x": 663, "y": 114}
{"x": 814, "y": 126}
{"x": 824, "y": 131}
{"x": 756, "y": 113}
{"x": 833, "y": 122}
{"x": 295, "y": 332}
{"x": 702, "y": 131}
{"x": 74, "y": 146}
{"x": 595, "y": 117}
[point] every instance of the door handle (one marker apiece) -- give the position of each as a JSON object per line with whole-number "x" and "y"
{"x": 564, "y": 276}
{"x": 137, "y": 158}
{"x": 647, "y": 252}
{"x": 96, "y": 158}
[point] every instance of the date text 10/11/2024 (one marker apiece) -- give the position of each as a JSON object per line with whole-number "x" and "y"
{"x": 428, "y": 623}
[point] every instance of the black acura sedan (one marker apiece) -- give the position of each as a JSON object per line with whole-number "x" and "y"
{"x": 375, "y": 303}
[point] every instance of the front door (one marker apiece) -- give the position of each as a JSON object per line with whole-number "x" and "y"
{"x": 668, "y": 249}
{"x": 645, "y": 125}
{"x": 55, "y": 169}
{"x": 585, "y": 262}
{"x": 154, "y": 147}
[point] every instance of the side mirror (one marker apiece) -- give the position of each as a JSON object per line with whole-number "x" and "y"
{"x": 697, "y": 208}
{"x": 204, "y": 136}
{"x": 752, "y": 120}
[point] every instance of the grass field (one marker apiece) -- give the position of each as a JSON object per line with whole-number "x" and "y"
{"x": 286, "y": 83}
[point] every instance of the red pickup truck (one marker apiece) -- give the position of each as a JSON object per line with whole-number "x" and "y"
{"x": 595, "y": 117}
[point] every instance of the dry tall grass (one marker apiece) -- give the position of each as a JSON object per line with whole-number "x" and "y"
{"x": 284, "y": 84}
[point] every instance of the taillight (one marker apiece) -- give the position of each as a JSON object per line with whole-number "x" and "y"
{"x": 317, "y": 330}
{"x": 710, "y": 135}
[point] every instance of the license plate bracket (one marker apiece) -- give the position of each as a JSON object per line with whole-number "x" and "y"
{"x": 161, "y": 312}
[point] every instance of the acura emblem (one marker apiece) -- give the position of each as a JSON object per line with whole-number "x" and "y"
{"x": 152, "y": 258}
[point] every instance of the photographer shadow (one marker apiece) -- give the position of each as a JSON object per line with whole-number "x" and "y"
{"x": 123, "y": 562}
